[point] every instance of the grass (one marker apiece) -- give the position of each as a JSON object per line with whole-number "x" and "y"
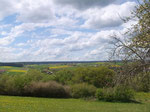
{"x": 29, "y": 104}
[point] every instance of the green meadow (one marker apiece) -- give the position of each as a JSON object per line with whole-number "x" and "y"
{"x": 31, "y": 104}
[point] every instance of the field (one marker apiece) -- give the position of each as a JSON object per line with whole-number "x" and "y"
{"x": 59, "y": 66}
{"x": 28, "y": 104}
{"x": 13, "y": 70}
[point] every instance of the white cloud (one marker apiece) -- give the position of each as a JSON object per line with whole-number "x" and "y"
{"x": 15, "y": 32}
{"x": 7, "y": 54}
{"x": 21, "y": 44}
{"x": 6, "y": 8}
{"x": 11, "y": 36}
{"x": 27, "y": 10}
{"x": 109, "y": 16}
{"x": 78, "y": 42}
{"x": 35, "y": 11}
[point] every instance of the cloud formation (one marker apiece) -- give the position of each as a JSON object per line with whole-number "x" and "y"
{"x": 109, "y": 16}
{"x": 53, "y": 30}
{"x": 6, "y": 8}
{"x": 35, "y": 12}
{"x": 85, "y": 4}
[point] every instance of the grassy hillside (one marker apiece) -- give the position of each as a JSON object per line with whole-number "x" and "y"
{"x": 28, "y": 104}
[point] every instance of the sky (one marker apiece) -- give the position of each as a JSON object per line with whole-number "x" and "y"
{"x": 61, "y": 30}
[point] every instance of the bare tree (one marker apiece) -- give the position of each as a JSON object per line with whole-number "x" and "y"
{"x": 134, "y": 45}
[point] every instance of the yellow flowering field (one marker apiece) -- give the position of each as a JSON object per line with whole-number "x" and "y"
{"x": 7, "y": 67}
{"x": 61, "y": 66}
{"x": 18, "y": 71}
{"x": 117, "y": 66}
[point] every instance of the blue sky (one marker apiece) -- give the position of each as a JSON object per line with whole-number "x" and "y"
{"x": 60, "y": 30}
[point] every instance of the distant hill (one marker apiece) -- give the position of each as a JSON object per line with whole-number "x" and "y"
{"x": 21, "y": 64}
{"x": 12, "y": 64}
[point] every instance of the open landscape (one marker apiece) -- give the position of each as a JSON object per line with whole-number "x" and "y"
{"x": 76, "y": 98}
{"x": 74, "y": 55}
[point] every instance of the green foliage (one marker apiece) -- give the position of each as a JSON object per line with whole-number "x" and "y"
{"x": 145, "y": 83}
{"x": 47, "y": 77}
{"x": 123, "y": 93}
{"x": 33, "y": 75}
{"x": 83, "y": 90}
{"x": 64, "y": 76}
{"x": 142, "y": 82}
{"x": 9, "y": 85}
{"x": 14, "y": 84}
{"x": 106, "y": 94}
{"x": 3, "y": 80}
{"x": 97, "y": 76}
{"x": 120, "y": 93}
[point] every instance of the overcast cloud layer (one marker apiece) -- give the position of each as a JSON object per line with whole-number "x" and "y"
{"x": 60, "y": 30}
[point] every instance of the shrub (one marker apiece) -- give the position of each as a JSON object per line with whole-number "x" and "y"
{"x": 11, "y": 85}
{"x": 64, "y": 76}
{"x": 33, "y": 75}
{"x": 3, "y": 80}
{"x": 105, "y": 94}
{"x": 123, "y": 93}
{"x": 142, "y": 82}
{"x": 46, "y": 89}
{"x": 82, "y": 90}
{"x": 98, "y": 76}
{"x": 15, "y": 84}
{"x": 29, "y": 83}
{"x": 120, "y": 93}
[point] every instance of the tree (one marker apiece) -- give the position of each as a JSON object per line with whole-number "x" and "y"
{"x": 135, "y": 43}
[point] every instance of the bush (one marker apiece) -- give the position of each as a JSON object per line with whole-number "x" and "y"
{"x": 31, "y": 84}
{"x": 34, "y": 75}
{"x": 123, "y": 93}
{"x": 120, "y": 93}
{"x": 64, "y": 76}
{"x": 14, "y": 84}
{"x": 142, "y": 82}
{"x": 98, "y": 76}
{"x": 83, "y": 90}
{"x": 11, "y": 85}
{"x": 3, "y": 80}
{"x": 105, "y": 94}
{"x": 46, "y": 89}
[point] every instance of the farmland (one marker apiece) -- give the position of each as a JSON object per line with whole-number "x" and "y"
{"x": 13, "y": 70}
{"x": 58, "y": 67}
